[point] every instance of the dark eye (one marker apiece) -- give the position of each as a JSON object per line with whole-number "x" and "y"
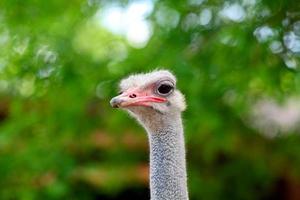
{"x": 165, "y": 88}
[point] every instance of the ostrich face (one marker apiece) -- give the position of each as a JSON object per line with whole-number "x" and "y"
{"x": 150, "y": 94}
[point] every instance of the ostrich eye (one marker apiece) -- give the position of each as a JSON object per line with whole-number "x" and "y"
{"x": 165, "y": 88}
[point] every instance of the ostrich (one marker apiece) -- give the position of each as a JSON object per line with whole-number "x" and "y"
{"x": 154, "y": 101}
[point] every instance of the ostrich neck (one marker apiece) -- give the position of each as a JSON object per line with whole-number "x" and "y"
{"x": 167, "y": 161}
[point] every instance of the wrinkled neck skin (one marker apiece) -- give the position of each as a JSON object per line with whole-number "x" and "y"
{"x": 168, "y": 179}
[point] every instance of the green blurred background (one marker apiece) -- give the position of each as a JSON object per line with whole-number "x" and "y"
{"x": 237, "y": 62}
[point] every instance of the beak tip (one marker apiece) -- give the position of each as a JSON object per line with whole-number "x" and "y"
{"x": 114, "y": 102}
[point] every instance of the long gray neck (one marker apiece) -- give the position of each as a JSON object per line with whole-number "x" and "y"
{"x": 168, "y": 179}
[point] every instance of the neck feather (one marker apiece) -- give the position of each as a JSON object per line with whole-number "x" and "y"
{"x": 168, "y": 179}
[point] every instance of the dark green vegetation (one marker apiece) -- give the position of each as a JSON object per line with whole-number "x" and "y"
{"x": 59, "y": 138}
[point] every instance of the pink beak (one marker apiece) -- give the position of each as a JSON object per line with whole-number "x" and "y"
{"x": 134, "y": 98}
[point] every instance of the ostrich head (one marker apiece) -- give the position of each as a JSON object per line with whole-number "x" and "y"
{"x": 152, "y": 98}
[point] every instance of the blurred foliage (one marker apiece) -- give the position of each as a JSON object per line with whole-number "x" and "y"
{"x": 59, "y": 138}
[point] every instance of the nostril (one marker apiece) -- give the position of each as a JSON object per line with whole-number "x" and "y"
{"x": 132, "y": 96}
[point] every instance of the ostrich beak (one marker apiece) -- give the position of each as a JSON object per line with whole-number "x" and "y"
{"x": 134, "y": 98}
